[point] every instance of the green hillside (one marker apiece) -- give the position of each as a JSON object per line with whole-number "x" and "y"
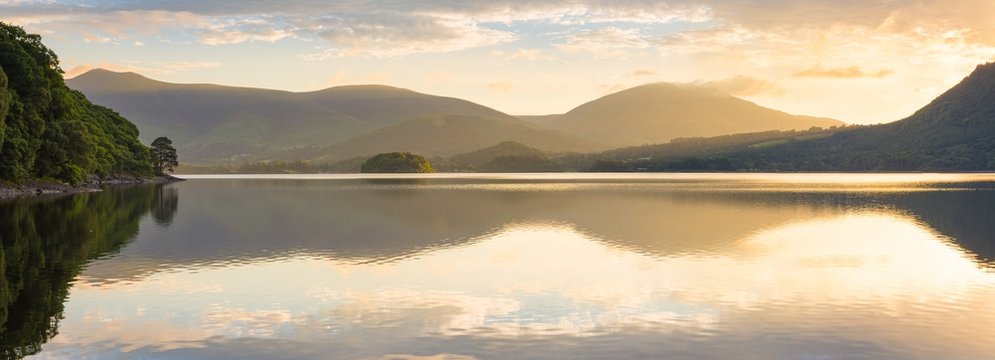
{"x": 658, "y": 113}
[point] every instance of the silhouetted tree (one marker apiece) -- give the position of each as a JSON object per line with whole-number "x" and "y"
{"x": 163, "y": 155}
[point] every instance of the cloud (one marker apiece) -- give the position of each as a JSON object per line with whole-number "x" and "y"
{"x": 392, "y": 36}
{"x": 642, "y": 72}
{"x": 90, "y": 38}
{"x": 501, "y": 86}
{"x": 852, "y": 72}
{"x": 361, "y": 28}
{"x": 245, "y": 29}
{"x": 606, "y": 42}
{"x": 521, "y": 55}
{"x": 741, "y": 86}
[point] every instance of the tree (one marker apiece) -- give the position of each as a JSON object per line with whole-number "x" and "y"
{"x": 50, "y": 131}
{"x": 397, "y": 162}
{"x": 163, "y": 155}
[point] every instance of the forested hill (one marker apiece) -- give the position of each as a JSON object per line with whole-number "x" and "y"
{"x": 48, "y": 130}
{"x": 955, "y": 132}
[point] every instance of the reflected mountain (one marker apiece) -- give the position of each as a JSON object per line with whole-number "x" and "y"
{"x": 384, "y": 220}
{"x": 46, "y": 242}
{"x": 967, "y": 218}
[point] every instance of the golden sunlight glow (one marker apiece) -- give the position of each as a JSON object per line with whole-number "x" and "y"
{"x": 492, "y": 285}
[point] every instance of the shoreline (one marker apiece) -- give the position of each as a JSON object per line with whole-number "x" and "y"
{"x": 51, "y": 187}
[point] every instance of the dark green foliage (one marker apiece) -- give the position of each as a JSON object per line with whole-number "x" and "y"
{"x": 51, "y": 131}
{"x": 163, "y": 156}
{"x": 397, "y": 162}
{"x": 5, "y": 99}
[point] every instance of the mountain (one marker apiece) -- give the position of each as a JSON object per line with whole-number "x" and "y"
{"x": 442, "y": 136}
{"x": 658, "y": 113}
{"x": 473, "y": 159}
{"x": 213, "y": 123}
{"x": 954, "y": 132}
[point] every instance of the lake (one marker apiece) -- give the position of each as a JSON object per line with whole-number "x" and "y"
{"x": 544, "y": 266}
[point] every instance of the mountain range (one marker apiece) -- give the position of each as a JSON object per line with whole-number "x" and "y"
{"x": 660, "y": 112}
{"x": 220, "y": 124}
{"x": 954, "y": 132}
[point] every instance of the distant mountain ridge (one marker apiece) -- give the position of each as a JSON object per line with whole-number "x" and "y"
{"x": 954, "y": 132}
{"x": 211, "y": 123}
{"x": 442, "y": 136}
{"x": 215, "y": 124}
{"x": 657, "y": 113}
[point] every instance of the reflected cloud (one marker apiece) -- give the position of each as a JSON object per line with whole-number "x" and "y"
{"x": 534, "y": 268}
{"x": 552, "y": 285}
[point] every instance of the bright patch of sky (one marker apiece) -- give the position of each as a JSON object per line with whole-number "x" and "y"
{"x": 858, "y": 61}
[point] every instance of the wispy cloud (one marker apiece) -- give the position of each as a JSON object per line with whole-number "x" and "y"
{"x": 393, "y": 36}
{"x": 642, "y": 72}
{"x": 606, "y": 42}
{"x": 852, "y": 72}
{"x": 521, "y": 55}
{"x": 741, "y": 86}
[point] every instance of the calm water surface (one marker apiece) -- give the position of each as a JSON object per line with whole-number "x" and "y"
{"x": 502, "y": 266}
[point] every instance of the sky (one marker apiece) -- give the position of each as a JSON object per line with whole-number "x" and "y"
{"x": 860, "y": 61}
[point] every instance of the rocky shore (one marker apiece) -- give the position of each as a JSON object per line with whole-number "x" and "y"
{"x": 93, "y": 184}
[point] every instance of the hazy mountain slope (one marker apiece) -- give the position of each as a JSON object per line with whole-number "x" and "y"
{"x": 541, "y": 120}
{"x": 657, "y": 113}
{"x": 443, "y": 136}
{"x": 385, "y": 105}
{"x": 503, "y": 149}
{"x": 212, "y": 123}
{"x": 955, "y": 132}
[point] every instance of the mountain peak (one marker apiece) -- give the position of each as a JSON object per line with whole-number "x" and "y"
{"x": 969, "y": 105}
{"x": 107, "y": 80}
{"x": 659, "y": 112}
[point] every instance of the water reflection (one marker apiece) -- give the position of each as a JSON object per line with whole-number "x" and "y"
{"x": 165, "y": 202}
{"x": 45, "y": 243}
{"x": 541, "y": 269}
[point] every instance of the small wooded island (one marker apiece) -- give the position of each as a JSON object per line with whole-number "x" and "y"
{"x": 397, "y": 162}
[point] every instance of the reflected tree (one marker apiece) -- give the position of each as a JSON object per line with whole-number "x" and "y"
{"x": 44, "y": 244}
{"x": 165, "y": 200}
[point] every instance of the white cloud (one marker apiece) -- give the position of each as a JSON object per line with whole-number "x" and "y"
{"x": 362, "y": 28}
{"x": 606, "y": 42}
{"x": 741, "y": 86}
{"x": 394, "y": 36}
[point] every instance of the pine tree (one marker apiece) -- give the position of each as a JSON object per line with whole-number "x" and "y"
{"x": 163, "y": 155}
